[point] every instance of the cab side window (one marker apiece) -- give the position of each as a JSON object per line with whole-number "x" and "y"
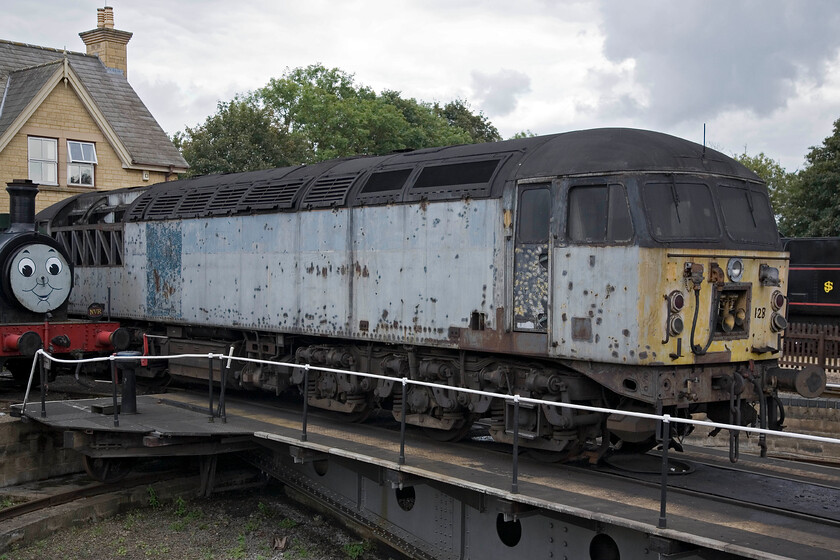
{"x": 599, "y": 214}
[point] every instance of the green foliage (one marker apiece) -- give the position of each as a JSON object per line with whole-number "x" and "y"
{"x": 287, "y": 523}
{"x": 780, "y": 183}
{"x": 814, "y": 206}
{"x": 806, "y": 203}
{"x": 356, "y": 550}
{"x": 239, "y": 137}
{"x": 153, "y": 499}
{"x": 316, "y": 113}
{"x": 524, "y": 134}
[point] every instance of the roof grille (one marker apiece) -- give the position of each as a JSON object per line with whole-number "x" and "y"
{"x": 163, "y": 205}
{"x": 194, "y": 203}
{"x": 227, "y": 199}
{"x": 139, "y": 207}
{"x": 329, "y": 191}
{"x": 268, "y": 196}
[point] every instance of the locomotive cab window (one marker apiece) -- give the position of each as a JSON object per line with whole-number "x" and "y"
{"x": 534, "y": 215}
{"x": 747, "y": 215}
{"x": 681, "y": 210}
{"x": 599, "y": 214}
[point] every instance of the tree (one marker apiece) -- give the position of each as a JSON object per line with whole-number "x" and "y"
{"x": 813, "y": 206}
{"x": 458, "y": 114}
{"x": 239, "y": 137}
{"x": 316, "y": 113}
{"x": 779, "y": 182}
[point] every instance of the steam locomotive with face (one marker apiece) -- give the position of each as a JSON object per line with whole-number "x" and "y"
{"x": 36, "y": 280}
{"x": 611, "y": 267}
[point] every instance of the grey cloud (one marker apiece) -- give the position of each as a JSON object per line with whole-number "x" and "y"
{"x": 497, "y": 93}
{"x": 698, "y": 58}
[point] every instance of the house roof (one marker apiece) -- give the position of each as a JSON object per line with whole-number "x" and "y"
{"x": 26, "y": 69}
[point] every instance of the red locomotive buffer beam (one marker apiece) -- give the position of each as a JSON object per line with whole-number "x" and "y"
{"x": 63, "y": 338}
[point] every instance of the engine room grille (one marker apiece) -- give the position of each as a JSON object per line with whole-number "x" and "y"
{"x": 268, "y": 196}
{"x": 329, "y": 191}
{"x": 227, "y": 199}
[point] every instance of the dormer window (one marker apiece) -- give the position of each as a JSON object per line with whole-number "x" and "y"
{"x": 81, "y": 159}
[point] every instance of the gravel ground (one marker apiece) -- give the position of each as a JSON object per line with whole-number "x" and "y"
{"x": 260, "y": 524}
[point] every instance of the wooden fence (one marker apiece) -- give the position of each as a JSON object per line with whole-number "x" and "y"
{"x": 807, "y": 343}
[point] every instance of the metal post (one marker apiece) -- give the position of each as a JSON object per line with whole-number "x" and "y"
{"x": 210, "y": 385}
{"x": 514, "y": 487}
{"x": 305, "y": 401}
{"x": 665, "y": 432}
{"x": 129, "y": 390}
{"x": 402, "y": 421}
{"x": 223, "y": 373}
{"x": 43, "y": 388}
{"x": 114, "y": 384}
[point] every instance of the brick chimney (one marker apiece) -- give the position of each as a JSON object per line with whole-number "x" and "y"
{"x": 107, "y": 43}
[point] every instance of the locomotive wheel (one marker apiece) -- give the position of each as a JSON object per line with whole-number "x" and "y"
{"x": 106, "y": 469}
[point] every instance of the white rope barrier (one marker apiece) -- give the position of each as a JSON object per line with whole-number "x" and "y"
{"x": 226, "y": 360}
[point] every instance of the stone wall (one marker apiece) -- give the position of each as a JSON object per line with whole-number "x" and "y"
{"x": 28, "y": 453}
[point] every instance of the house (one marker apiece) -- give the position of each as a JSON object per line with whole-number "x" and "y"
{"x": 72, "y": 123}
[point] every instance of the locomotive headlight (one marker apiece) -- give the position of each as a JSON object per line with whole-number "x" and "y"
{"x": 676, "y": 301}
{"x": 777, "y": 300}
{"x": 735, "y": 269}
{"x": 778, "y": 323}
{"x": 675, "y": 325}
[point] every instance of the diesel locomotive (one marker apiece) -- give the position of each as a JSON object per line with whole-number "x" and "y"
{"x": 36, "y": 280}
{"x": 814, "y": 278}
{"x": 611, "y": 267}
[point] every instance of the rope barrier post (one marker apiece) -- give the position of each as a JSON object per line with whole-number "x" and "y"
{"x": 402, "y": 422}
{"x": 514, "y": 487}
{"x": 210, "y": 385}
{"x": 114, "y": 385}
{"x": 43, "y": 388}
{"x": 222, "y": 410}
{"x": 665, "y": 431}
{"x": 305, "y": 401}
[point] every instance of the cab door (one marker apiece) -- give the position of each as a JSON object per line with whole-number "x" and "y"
{"x": 531, "y": 258}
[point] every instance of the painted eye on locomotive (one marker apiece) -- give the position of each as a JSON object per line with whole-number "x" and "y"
{"x": 39, "y": 277}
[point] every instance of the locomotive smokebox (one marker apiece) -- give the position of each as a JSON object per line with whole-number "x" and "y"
{"x": 22, "y": 194}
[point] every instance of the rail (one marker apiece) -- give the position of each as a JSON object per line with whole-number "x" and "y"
{"x": 663, "y": 431}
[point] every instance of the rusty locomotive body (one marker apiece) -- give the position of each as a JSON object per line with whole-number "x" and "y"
{"x": 37, "y": 280}
{"x": 611, "y": 267}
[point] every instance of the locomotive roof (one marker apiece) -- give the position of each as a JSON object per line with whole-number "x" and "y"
{"x": 453, "y": 172}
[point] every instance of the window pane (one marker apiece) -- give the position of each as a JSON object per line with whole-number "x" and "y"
{"x": 87, "y": 174}
{"x": 747, "y": 215}
{"x": 75, "y": 151}
{"x": 49, "y": 170}
{"x": 73, "y": 175}
{"x": 89, "y": 153}
{"x": 588, "y": 214}
{"x": 681, "y": 211}
{"x": 49, "y": 148}
{"x": 620, "y": 226}
{"x": 534, "y": 215}
{"x": 35, "y": 171}
{"x": 35, "y": 148}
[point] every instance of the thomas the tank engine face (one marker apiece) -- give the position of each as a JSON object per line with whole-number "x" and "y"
{"x": 39, "y": 278}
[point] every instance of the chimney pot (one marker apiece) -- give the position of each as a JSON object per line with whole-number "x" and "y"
{"x": 108, "y": 12}
{"x": 100, "y": 18}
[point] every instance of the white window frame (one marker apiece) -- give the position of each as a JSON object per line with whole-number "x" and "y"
{"x": 42, "y": 156}
{"x": 81, "y": 158}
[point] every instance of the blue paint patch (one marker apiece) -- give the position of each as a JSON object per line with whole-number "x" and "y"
{"x": 163, "y": 275}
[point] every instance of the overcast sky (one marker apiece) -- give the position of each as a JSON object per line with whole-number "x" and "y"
{"x": 763, "y": 75}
